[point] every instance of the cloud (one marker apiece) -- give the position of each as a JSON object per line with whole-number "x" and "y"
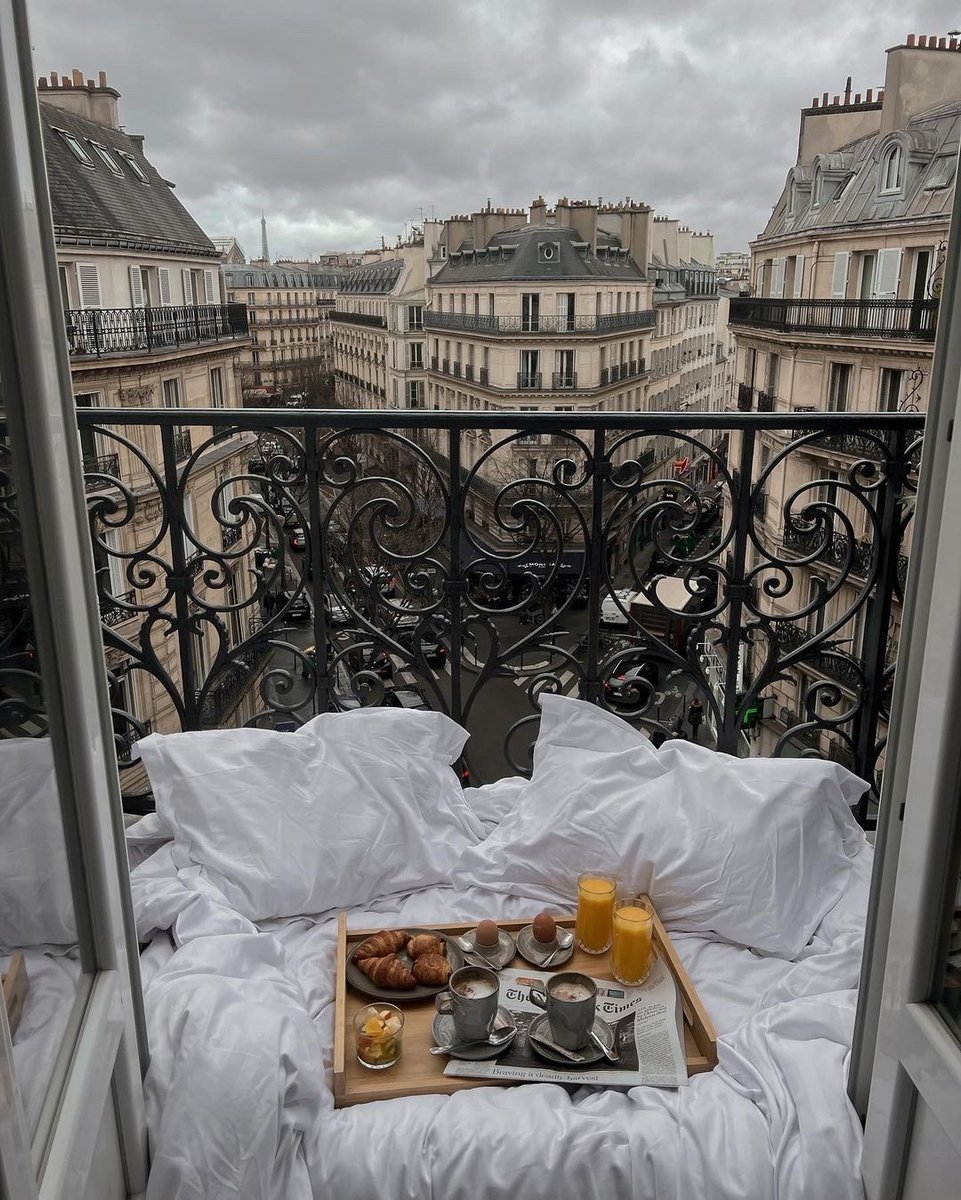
{"x": 343, "y": 121}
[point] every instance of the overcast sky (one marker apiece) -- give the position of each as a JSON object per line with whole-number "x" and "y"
{"x": 346, "y": 119}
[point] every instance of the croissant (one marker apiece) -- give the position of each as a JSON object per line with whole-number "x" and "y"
{"x": 431, "y": 969}
{"x": 388, "y": 941}
{"x": 426, "y": 943}
{"x": 388, "y": 972}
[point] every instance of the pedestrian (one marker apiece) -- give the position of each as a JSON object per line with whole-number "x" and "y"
{"x": 658, "y": 738}
{"x": 678, "y": 730}
{"x": 695, "y": 715}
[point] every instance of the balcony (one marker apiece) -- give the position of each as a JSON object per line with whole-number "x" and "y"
{"x": 356, "y": 318}
{"x": 94, "y": 333}
{"x": 750, "y": 399}
{"x": 100, "y": 470}
{"x": 537, "y": 326}
{"x": 564, "y": 380}
{"x": 182, "y": 445}
{"x": 529, "y": 381}
{"x": 455, "y": 370}
{"x": 469, "y": 372}
{"x": 867, "y": 319}
{"x": 533, "y": 553}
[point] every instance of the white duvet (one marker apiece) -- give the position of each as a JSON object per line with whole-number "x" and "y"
{"x": 239, "y": 1088}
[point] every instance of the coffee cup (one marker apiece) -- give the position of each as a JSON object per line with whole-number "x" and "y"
{"x": 570, "y": 1000}
{"x": 471, "y": 999}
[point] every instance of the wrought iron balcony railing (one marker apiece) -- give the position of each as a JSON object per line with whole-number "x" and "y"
{"x": 357, "y": 318}
{"x": 103, "y": 332}
{"x": 508, "y": 571}
{"x": 871, "y": 319}
{"x": 182, "y": 445}
{"x": 537, "y": 326}
{"x": 564, "y": 380}
{"x": 100, "y": 470}
{"x": 529, "y": 381}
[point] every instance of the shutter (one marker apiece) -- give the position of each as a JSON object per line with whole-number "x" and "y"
{"x": 839, "y": 283}
{"x": 88, "y": 281}
{"x": 210, "y": 294}
{"x": 777, "y": 277}
{"x": 798, "y": 276}
{"x": 888, "y": 275}
{"x": 188, "y": 287}
{"x": 164, "y": 275}
{"x": 136, "y": 287}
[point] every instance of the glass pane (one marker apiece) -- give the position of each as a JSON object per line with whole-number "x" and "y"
{"x": 950, "y": 977}
{"x": 38, "y": 931}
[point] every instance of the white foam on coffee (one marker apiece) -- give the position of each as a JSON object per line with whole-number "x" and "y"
{"x": 571, "y": 991}
{"x": 473, "y": 988}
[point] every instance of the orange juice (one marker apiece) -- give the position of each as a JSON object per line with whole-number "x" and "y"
{"x": 631, "y": 947}
{"x": 595, "y": 911}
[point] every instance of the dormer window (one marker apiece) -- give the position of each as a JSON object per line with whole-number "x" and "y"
{"x": 891, "y": 170}
{"x": 107, "y": 159}
{"x": 134, "y": 166}
{"x": 792, "y": 199}
{"x": 76, "y": 148}
{"x": 818, "y": 183}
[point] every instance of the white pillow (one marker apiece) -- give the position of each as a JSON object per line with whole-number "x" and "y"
{"x": 36, "y": 904}
{"x": 491, "y": 802}
{"x": 350, "y": 807}
{"x": 755, "y": 850}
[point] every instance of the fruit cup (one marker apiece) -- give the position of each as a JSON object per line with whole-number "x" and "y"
{"x": 378, "y": 1032}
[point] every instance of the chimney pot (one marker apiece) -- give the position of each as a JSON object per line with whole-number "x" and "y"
{"x": 42, "y": 83}
{"x": 824, "y": 100}
{"x": 942, "y": 43}
{"x": 847, "y": 91}
{"x": 77, "y": 77}
{"x": 53, "y": 79}
{"x": 102, "y": 79}
{"x": 90, "y": 84}
{"x": 837, "y": 99}
{"x": 911, "y": 39}
{"x": 881, "y": 96}
{"x": 65, "y": 82}
{"x": 953, "y": 44}
{"x": 922, "y": 41}
{"x": 868, "y": 96}
{"x": 932, "y": 41}
{"x": 814, "y": 102}
{"x": 857, "y": 97}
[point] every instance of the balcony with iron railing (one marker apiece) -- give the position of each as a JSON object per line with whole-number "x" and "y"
{"x": 100, "y": 470}
{"x": 97, "y": 333}
{"x": 505, "y": 552}
{"x": 915, "y": 320}
{"x": 540, "y": 326}
{"x": 371, "y": 320}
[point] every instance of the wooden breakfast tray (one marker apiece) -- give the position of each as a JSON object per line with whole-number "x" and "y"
{"x": 419, "y": 1073}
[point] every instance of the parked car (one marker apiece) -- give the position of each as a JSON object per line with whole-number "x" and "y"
{"x": 298, "y": 538}
{"x": 296, "y": 606}
{"x": 435, "y": 653}
{"x": 310, "y": 655}
{"x": 378, "y": 661}
{"x": 406, "y": 697}
{"x": 631, "y": 685}
{"x": 611, "y": 612}
{"x": 335, "y": 612}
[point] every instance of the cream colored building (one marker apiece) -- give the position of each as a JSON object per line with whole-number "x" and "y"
{"x": 147, "y": 325}
{"x": 847, "y": 276}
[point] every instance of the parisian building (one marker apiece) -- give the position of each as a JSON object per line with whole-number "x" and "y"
{"x": 147, "y": 325}
{"x": 846, "y": 282}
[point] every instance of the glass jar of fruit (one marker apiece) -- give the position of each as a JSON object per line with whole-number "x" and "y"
{"x": 378, "y": 1030}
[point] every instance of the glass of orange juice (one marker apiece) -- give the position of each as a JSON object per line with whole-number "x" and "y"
{"x": 631, "y": 949}
{"x": 595, "y": 911}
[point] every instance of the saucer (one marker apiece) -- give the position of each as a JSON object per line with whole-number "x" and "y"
{"x": 498, "y": 956}
{"x": 535, "y": 952}
{"x": 540, "y": 1028}
{"x": 443, "y": 1030}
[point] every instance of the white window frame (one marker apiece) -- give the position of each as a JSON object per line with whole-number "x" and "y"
{"x": 893, "y": 155}
{"x": 107, "y": 159}
{"x": 218, "y": 395}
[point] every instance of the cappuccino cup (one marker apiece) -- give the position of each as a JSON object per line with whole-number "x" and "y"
{"x": 471, "y": 999}
{"x": 570, "y": 1000}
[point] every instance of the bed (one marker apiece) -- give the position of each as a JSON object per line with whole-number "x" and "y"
{"x": 238, "y": 986}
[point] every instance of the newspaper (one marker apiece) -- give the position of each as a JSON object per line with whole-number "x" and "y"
{"x": 648, "y": 1027}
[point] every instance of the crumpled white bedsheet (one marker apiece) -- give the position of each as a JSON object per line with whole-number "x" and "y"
{"x": 239, "y": 1089}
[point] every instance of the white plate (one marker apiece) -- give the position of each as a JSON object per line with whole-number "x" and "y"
{"x": 535, "y": 952}
{"x": 498, "y": 956}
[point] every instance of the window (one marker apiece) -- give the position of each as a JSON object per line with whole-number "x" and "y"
{"x": 792, "y": 199}
{"x": 217, "y": 387}
{"x": 818, "y": 184}
{"x": 134, "y": 166}
{"x": 107, "y": 159}
{"x": 565, "y": 310}
{"x": 892, "y": 384}
{"x": 891, "y": 170}
{"x": 530, "y": 312}
{"x": 415, "y": 317}
{"x": 773, "y": 363}
{"x": 76, "y": 148}
{"x": 564, "y": 368}
{"x": 171, "y": 391}
{"x": 415, "y": 356}
{"x": 817, "y": 596}
{"x": 415, "y": 393}
{"x": 530, "y": 368}
{"x": 490, "y": 304}
{"x": 88, "y": 282}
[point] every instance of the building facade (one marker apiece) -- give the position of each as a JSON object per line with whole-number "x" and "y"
{"x": 147, "y": 324}
{"x": 847, "y": 278}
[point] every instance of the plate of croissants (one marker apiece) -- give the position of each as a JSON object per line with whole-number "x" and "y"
{"x": 403, "y": 964}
